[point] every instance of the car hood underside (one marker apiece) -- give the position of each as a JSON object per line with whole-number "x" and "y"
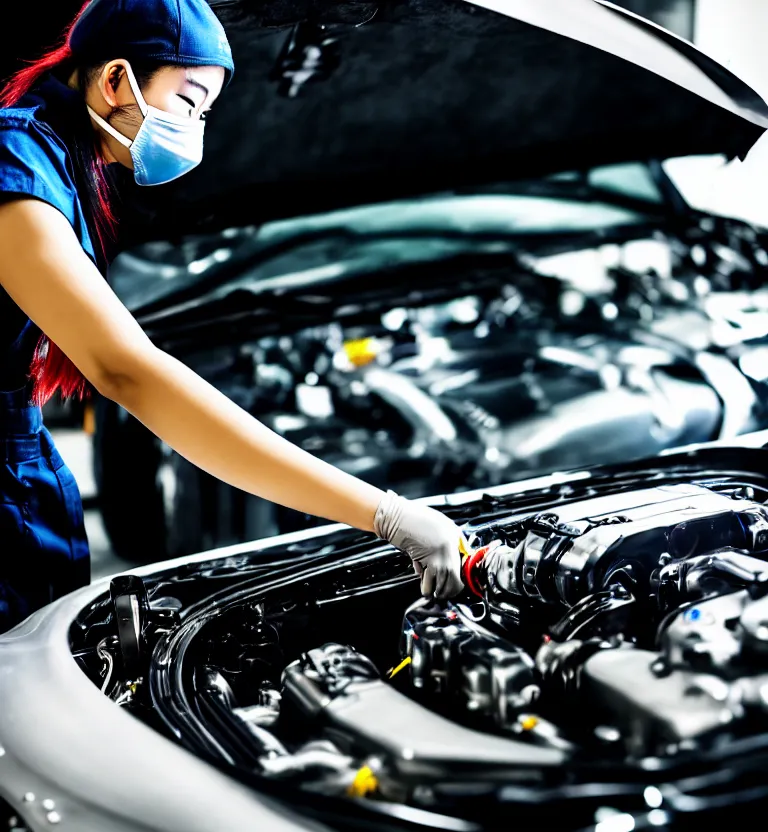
{"x": 341, "y": 104}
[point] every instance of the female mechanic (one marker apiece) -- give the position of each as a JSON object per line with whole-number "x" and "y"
{"x": 131, "y": 85}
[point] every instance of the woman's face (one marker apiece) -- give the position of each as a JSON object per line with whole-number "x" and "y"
{"x": 188, "y": 92}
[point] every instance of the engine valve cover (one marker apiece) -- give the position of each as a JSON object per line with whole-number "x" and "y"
{"x": 561, "y": 557}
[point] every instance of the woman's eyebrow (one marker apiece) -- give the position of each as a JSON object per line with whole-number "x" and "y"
{"x": 198, "y": 85}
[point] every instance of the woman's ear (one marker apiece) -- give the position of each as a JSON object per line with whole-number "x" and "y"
{"x": 115, "y": 76}
{"x": 111, "y": 76}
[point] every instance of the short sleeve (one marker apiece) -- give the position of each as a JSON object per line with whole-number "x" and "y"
{"x": 33, "y": 162}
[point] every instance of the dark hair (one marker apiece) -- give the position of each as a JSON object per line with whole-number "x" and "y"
{"x": 51, "y": 369}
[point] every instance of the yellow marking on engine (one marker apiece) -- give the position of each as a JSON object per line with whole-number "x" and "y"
{"x": 395, "y": 670}
{"x": 463, "y": 548}
{"x": 528, "y": 723}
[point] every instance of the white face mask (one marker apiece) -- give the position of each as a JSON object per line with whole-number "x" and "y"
{"x": 166, "y": 146}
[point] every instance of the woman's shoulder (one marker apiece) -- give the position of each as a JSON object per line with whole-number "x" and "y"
{"x": 21, "y": 128}
{"x": 33, "y": 159}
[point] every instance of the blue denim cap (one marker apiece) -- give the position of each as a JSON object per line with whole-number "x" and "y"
{"x": 181, "y": 32}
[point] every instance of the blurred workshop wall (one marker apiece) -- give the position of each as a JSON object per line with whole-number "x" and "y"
{"x": 734, "y": 33}
{"x": 678, "y": 16}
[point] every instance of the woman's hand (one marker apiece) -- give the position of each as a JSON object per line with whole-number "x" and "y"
{"x": 429, "y": 538}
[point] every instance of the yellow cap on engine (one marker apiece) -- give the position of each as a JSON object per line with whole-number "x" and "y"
{"x": 364, "y": 783}
{"x": 361, "y": 351}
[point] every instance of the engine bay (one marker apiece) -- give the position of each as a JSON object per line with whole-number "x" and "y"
{"x": 608, "y": 653}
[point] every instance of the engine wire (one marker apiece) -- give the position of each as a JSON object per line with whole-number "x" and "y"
{"x": 105, "y": 656}
{"x": 395, "y": 670}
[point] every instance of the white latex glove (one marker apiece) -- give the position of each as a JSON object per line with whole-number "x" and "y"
{"x": 428, "y": 537}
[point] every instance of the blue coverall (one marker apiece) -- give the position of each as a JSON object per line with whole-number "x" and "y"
{"x": 44, "y": 550}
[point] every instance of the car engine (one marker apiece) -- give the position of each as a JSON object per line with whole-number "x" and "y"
{"x": 607, "y": 651}
{"x": 652, "y": 616}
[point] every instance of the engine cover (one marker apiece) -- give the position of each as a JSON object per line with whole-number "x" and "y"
{"x": 562, "y": 557}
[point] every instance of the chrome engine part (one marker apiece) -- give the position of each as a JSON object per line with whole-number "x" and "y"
{"x": 562, "y": 557}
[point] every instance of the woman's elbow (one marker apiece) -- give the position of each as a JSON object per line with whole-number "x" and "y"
{"x": 120, "y": 376}
{"x": 114, "y": 386}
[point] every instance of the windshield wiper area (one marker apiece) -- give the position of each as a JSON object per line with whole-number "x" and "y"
{"x": 413, "y": 230}
{"x": 291, "y": 303}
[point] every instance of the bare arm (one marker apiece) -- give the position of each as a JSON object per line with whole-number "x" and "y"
{"x": 44, "y": 269}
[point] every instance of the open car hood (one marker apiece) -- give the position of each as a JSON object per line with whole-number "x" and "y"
{"x": 372, "y": 101}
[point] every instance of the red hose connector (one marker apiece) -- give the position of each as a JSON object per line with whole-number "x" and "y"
{"x": 468, "y": 569}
